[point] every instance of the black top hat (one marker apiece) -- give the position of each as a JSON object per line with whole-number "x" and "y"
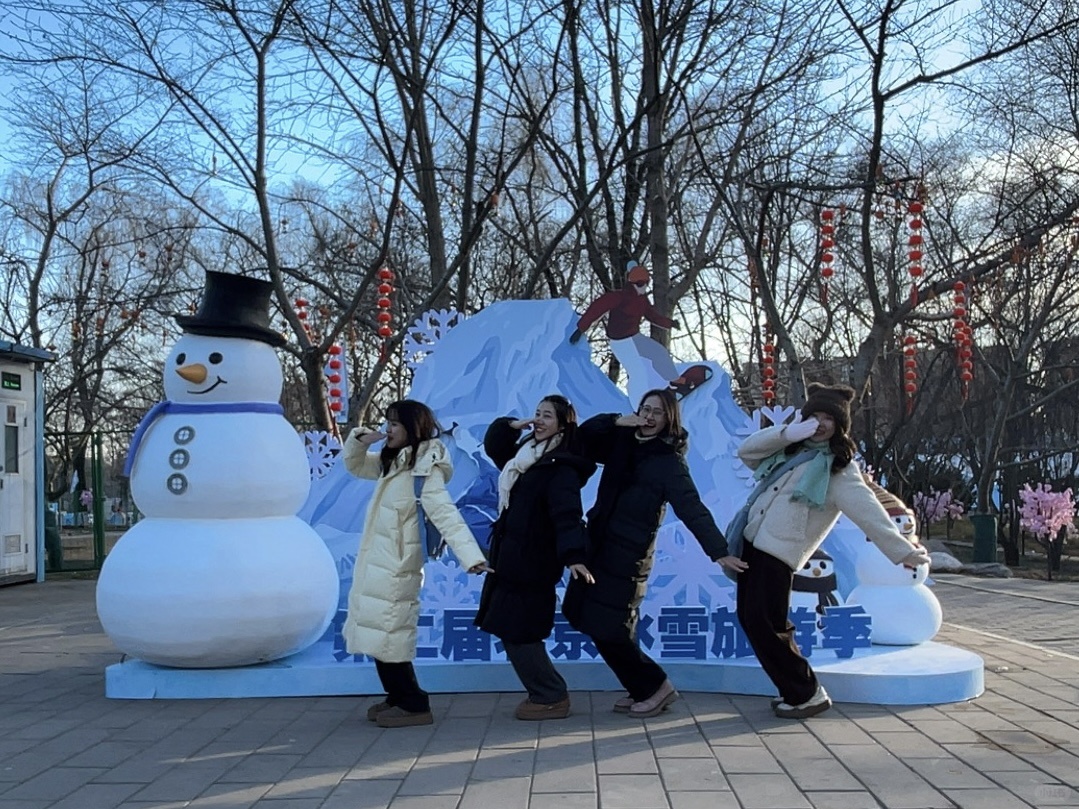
{"x": 233, "y": 306}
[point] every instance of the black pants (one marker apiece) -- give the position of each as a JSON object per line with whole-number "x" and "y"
{"x": 536, "y": 672}
{"x": 402, "y": 688}
{"x": 764, "y": 596}
{"x": 639, "y": 674}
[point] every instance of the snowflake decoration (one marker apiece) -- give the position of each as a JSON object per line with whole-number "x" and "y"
{"x": 322, "y": 449}
{"x": 776, "y": 415}
{"x": 424, "y": 335}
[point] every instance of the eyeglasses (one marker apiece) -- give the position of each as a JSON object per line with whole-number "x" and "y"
{"x": 655, "y": 412}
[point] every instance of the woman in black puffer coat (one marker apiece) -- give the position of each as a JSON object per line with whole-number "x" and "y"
{"x": 644, "y": 468}
{"x": 539, "y": 532}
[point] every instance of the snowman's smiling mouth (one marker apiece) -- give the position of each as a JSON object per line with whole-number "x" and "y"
{"x": 219, "y": 381}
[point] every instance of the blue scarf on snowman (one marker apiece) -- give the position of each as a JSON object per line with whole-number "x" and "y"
{"x": 165, "y": 407}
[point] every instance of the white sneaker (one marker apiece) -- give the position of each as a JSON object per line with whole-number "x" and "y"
{"x": 818, "y": 703}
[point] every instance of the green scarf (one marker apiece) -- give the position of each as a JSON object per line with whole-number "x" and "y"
{"x": 812, "y": 487}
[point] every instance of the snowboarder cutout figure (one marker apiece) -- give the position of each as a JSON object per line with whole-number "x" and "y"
{"x": 648, "y": 364}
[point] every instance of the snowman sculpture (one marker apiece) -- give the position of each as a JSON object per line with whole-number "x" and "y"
{"x": 904, "y": 611}
{"x": 221, "y": 571}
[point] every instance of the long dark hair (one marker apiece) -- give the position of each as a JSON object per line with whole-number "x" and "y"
{"x": 419, "y": 423}
{"x": 566, "y": 414}
{"x": 674, "y": 433}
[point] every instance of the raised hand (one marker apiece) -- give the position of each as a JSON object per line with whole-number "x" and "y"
{"x": 521, "y": 424}
{"x": 368, "y": 438}
{"x": 800, "y": 429}
{"x": 630, "y": 420}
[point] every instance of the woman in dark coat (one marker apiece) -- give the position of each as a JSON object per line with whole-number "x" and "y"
{"x": 644, "y": 468}
{"x": 539, "y": 532}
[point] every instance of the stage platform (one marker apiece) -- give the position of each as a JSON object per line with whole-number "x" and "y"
{"x": 926, "y": 674}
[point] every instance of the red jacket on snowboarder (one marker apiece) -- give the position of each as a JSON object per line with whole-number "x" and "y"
{"x": 624, "y": 308}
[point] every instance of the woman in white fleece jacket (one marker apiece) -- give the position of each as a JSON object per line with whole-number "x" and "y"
{"x": 789, "y": 521}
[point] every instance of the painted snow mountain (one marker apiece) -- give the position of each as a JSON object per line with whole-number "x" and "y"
{"x": 501, "y": 362}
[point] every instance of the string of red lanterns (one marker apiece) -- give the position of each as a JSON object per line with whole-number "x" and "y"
{"x": 768, "y": 371}
{"x": 334, "y": 377}
{"x": 827, "y": 257}
{"x": 383, "y": 316}
{"x": 916, "y": 245}
{"x": 910, "y": 369}
{"x": 385, "y": 289}
{"x": 302, "y": 314}
{"x": 964, "y": 338}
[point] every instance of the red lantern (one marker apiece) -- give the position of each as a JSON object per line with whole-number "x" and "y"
{"x": 385, "y": 274}
{"x": 384, "y": 317}
{"x": 384, "y": 331}
{"x": 384, "y": 303}
{"x": 334, "y": 349}
{"x": 384, "y": 289}
{"x": 333, "y": 379}
{"x": 336, "y": 407}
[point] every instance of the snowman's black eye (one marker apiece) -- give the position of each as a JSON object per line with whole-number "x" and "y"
{"x": 805, "y": 566}
{"x": 181, "y": 358}
{"x": 215, "y": 358}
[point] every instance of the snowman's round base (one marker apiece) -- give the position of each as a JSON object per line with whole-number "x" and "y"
{"x": 926, "y": 674}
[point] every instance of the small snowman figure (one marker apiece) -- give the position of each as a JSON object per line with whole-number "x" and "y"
{"x": 814, "y": 587}
{"x": 221, "y": 571}
{"x": 904, "y": 611}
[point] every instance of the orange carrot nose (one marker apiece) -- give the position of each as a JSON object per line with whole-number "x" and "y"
{"x": 193, "y": 373}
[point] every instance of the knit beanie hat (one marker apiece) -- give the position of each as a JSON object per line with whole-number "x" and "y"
{"x": 636, "y": 274}
{"x": 831, "y": 399}
{"x": 896, "y": 509}
{"x": 892, "y": 504}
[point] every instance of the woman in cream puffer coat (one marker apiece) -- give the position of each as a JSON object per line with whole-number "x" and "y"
{"x": 383, "y": 604}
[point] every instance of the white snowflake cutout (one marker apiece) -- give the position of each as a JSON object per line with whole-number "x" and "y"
{"x": 322, "y": 450}
{"x": 423, "y": 336}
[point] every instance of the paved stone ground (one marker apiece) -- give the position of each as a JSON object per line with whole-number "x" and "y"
{"x": 64, "y": 746}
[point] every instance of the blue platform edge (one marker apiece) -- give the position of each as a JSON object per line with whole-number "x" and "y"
{"x": 927, "y": 674}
